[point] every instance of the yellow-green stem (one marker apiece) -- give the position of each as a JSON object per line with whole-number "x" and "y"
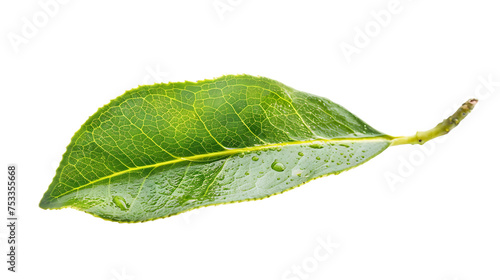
{"x": 441, "y": 129}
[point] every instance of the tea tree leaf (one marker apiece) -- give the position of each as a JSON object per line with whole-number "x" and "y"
{"x": 163, "y": 149}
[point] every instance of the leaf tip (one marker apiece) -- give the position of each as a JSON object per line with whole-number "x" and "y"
{"x": 44, "y": 203}
{"x": 48, "y": 203}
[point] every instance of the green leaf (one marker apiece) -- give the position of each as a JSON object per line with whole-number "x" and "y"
{"x": 163, "y": 149}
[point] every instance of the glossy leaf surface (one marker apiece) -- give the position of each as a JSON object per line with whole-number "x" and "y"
{"x": 164, "y": 149}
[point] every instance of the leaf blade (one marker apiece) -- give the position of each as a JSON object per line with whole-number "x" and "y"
{"x": 200, "y": 124}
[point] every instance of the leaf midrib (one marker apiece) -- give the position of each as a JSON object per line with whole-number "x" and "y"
{"x": 229, "y": 152}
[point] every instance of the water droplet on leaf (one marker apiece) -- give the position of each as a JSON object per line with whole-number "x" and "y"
{"x": 278, "y": 166}
{"x": 316, "y": 146}
{"x": 120, "y": 202}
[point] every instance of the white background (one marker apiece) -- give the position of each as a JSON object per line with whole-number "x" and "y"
{"x": 436, "y": 217}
